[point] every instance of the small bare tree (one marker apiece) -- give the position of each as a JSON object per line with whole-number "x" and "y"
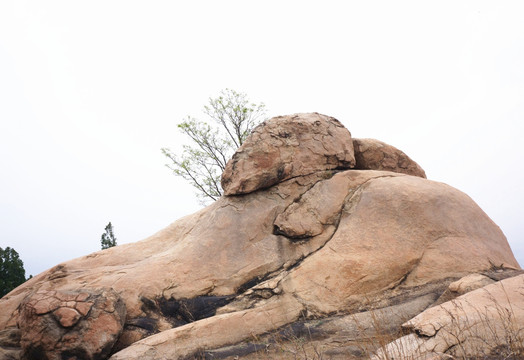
{"x": 233, "y": 117}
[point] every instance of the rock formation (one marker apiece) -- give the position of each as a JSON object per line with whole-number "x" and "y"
{"x": 315, "y": 225}
{"x": 66, "y": 324}
{"x": 372, "y": 154}
{"x": 285, "y": 147}
{"x": 486, "y": 321}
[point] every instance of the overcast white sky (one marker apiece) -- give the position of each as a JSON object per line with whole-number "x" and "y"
{"x": 91, "y": 90}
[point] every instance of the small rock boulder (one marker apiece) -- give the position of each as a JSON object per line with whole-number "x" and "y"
{"x": 78, "y": 324}
{"x": 288, "y": 146}
{"x": 464, "y": 285}
{"x": 372, "y": 154}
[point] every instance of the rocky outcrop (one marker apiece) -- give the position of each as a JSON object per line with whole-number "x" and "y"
{"x": 355, "y": 335}
{"x": 371, "y": 154}
{"x": 285, "y": 147}
{"x": 78, "y": 324}
{"x": 482, "y": 323}
{"x": 316, "y": 240}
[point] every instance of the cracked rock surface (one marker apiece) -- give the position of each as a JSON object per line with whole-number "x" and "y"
{"x": 474, "y": 324}
{"x": 288, "y": 146}
{"x": 310, "y": 239}
{"x": 83, "y": 324}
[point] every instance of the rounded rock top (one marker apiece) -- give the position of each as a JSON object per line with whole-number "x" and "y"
{"x": 288, "y": 146}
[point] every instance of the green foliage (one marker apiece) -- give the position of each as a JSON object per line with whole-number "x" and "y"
{"x": 12, "y": 272}
{"x": 108, "y": 238}
{"x": 233, "y": 118}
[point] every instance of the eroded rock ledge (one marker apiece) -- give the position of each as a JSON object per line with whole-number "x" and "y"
{"x": 315, "y": 226}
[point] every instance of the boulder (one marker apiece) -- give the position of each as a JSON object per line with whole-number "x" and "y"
{"x": 393, "y": 229}
{"x": 381, "y": 241}
{"x": 314, "y": 240}
{"x": 186, "y": 271}
{"x": 76, "y": 324}
{"x": 371, "y": 154}
{"x": 288, "y": 146}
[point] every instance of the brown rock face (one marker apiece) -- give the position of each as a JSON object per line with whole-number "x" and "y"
{"x": 310, "y": 239}
{"x": 288, "y": 146}
{"x": 372, "y": 154}
{"x": 78, "y": 324}
{"x": 482, "y": 323}
{"x": 384, "y": 239}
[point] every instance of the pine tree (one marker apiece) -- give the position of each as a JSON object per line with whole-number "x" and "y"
{"x": 108, "y": 238}
{"x": 12, "y": 272}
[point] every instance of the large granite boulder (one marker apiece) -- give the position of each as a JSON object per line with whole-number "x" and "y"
{"x": 288, "y": 146}
{"x": 314, "y": 240}
{"x": 412, "y": 240}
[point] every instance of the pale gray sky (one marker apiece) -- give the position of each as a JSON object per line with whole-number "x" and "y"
{"x": 90, "y": 92}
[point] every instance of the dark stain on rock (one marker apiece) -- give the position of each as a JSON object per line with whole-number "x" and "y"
{"x": 34, "y": 352}
{"x": 249, "y": 284}
{"x": 184, "y": 311}
{"x": 284, "y": 134}
{"x": 234, "y": 351}
{"x": 77, "y": 353}
{"x": 148, "y": 305}
{"x": 10, "y": 337}
{"x": 148, "y": 324}
{"x": 281, "y": 172}
{"x": 294, "y": 239}
{"x": 268, "y": 343}
{"x": 301, "y": 329}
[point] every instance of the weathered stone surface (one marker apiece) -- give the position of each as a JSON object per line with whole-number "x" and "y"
{"x": 10, "y": 337}
{"x": 288, "y": 146}
{"x": 483, "y": 321}
{"x": 406, "y": 240}
{"x": 343, "y": 337}
{"x": 469, "y": 283}
{"x": 313, "y": 246}
{"x": 396, "y": 229}
{"x": 10, "y": 344}
{"x": 319, "y": 207}
{"x": 371, "y": 154}
{"x": 52, "y": 327}
{"x": 411, "y": 239}
{"x": 213, "y": 332}
{"x": 333, "y": 335}
{"x": 9, "y": 354}
{"x": 190, "y": 259}
{"x": 67, "y": 316}
{"x": 466, "y": 284}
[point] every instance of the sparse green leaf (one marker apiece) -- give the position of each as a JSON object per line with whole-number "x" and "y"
{"x": 232, "y": 119}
